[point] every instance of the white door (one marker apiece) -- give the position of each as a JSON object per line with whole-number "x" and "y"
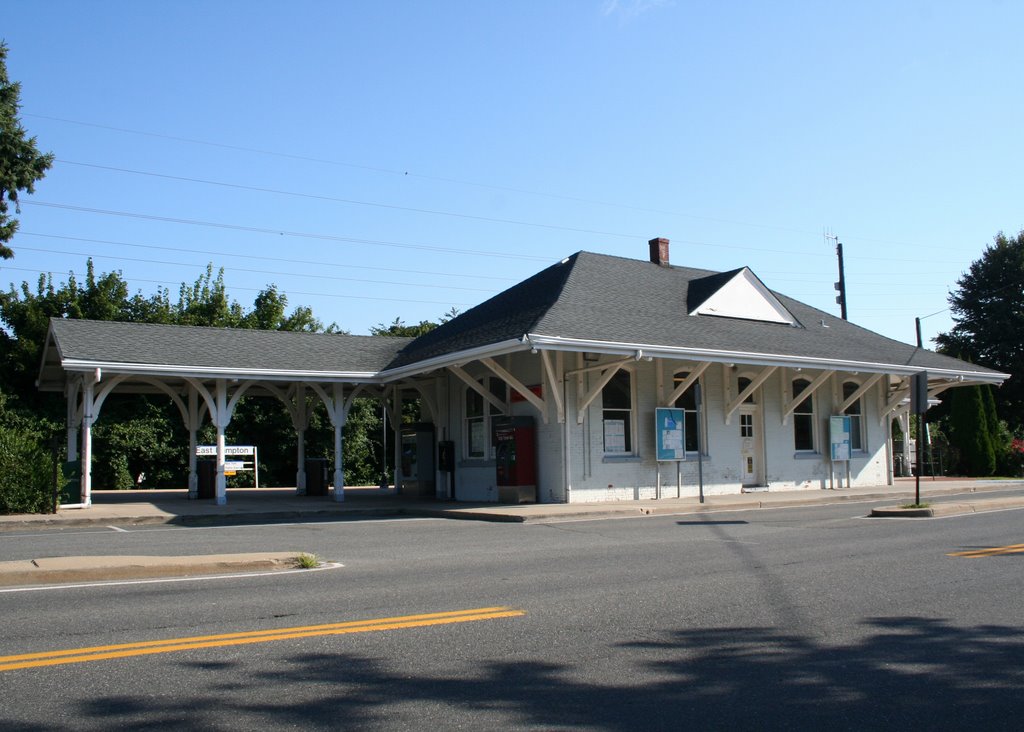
{"x": 750, "y": 447}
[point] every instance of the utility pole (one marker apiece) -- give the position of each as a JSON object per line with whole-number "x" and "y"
{"x": 917, "y": 324}
{"x": 841, "y": 284}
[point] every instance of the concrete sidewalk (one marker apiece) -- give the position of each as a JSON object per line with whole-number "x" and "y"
{"x": 133, "y": 508}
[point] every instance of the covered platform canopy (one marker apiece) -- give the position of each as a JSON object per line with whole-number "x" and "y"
{"x": 205, "y": 371}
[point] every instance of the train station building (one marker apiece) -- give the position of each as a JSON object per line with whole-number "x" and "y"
{"x": 599, "y": 378}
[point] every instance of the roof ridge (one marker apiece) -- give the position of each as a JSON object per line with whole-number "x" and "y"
{"x": 510, "y": 314}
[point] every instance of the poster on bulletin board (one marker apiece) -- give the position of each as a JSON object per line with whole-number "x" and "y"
{"x": 839, "y": 437}
{"x": 670, "y": 431}
{"x": 614, "y": 435}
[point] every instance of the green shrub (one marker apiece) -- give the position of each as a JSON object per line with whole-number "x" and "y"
{"x": 26, "y": 471}
{"x": 119, "y": 476}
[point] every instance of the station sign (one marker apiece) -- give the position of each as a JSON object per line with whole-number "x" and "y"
{"x": 232, "y": 450}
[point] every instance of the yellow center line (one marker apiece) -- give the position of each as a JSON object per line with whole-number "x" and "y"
{"x": 143, "y": 648}
{"x": 990, "y": 552}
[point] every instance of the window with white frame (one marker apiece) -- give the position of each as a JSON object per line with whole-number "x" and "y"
{"x": 688, "y": 403}
{"x": 854, "y": 413}
{"x": 617, "y": 414}
{"x": 477, "y": 420}
{"x": 803, "y": 418}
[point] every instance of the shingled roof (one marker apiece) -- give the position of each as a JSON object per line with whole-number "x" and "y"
{"x": 586, "y": 302}
{"x": 595, "y": 299}
{"x": 230, "y": 352}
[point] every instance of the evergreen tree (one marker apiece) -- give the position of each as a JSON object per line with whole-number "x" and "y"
{"x": 21, "y": 163}
{"x": 988, "y": 315}
{"x": 970, "y": 432}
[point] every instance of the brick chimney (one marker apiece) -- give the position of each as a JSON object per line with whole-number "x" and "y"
{"x": 659, "y": 251}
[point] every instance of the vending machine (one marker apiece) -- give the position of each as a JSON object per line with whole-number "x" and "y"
{"x": 515, "y": 447}
{"x": 418, "y": 460}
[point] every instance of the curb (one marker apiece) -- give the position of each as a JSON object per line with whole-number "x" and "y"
{"x": 196, "y": 519}
{"x": 948, "y": 509}
{"x": 57, "y": 570}
{"x": 559, "y": 512}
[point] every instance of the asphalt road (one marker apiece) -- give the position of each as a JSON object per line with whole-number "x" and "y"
{"x": 771, "y": 619}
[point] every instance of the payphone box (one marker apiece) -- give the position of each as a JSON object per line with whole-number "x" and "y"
{"x": 515, "y": 447}
{"x": 418, "y": 460}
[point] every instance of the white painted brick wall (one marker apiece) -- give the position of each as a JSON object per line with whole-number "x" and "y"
{"x": 595, "y": 477}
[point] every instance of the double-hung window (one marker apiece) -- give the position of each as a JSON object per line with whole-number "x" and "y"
{"x": 854, "y": 413}
{"x": 803, "y": 418}
{"x": 477, "y": 420}
{"x": 688, "y": 403}
{"x": 617, "y": 414}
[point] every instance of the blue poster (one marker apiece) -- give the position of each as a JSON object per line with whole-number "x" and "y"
{"x": 839, "y": 437}
{"x": 670, "y": 433}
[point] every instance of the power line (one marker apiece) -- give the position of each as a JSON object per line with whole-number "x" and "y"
{"x": 259, "y": 271}
{"x": 478, "y": 184}
{"x": 280, "y": 232}
{"x": 224, "y": 146}
{"x": 291, "y": 260}
{"x": 421, "y": 176}
{"x": 332, "y": 199}
{"x": 354, "y": 202}
{"x": 425, "y": 247}
{"x": 168, "y": 283}
{"x": 319, "y": 197}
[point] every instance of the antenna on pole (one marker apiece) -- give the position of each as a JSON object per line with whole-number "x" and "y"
{"x": 841, "y": 284}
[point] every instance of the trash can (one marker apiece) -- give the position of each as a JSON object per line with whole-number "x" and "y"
{"x": 317, "y": 483}
{"x": 207, "y": 472}
{"x": 71, "y": 490}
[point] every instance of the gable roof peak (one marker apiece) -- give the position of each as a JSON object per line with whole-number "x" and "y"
{"x": 738, "y": 293}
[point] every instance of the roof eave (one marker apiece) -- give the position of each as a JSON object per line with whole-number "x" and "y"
{"x": 455, "y": 358}
{"x": 557, "y": 343}
{"x": 209, "y": 372}
{"x": 40, "y": 380}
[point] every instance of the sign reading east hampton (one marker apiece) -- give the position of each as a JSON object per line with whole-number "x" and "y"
{"x": 206, "y": 450}
{"x": 839, "y": 436}
{"x": 670, "y": 429}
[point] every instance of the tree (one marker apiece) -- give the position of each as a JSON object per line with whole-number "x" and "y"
{"x": 21, "y": 163}
{"x": 139, "y": 433}
{"x": 970, "y": 427}
{"x": 988, "y": 315}
{"x": 400, "y": 329}
{"x": 268, "y": 313}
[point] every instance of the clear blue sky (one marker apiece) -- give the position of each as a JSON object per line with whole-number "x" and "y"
{"x": 418, "y": 156}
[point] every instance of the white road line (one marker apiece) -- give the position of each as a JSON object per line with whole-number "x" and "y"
{"x": 166, "y": 580}
{"x": 56, "y": 531}
{"x": 290, "y": 523}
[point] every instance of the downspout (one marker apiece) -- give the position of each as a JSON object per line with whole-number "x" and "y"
{"x": 889, "y": 453}
{"x": 566, "y": 468}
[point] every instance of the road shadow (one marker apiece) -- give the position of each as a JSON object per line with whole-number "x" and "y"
{"x": 905, "y": 672}
{"x": 709, "y": 522}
